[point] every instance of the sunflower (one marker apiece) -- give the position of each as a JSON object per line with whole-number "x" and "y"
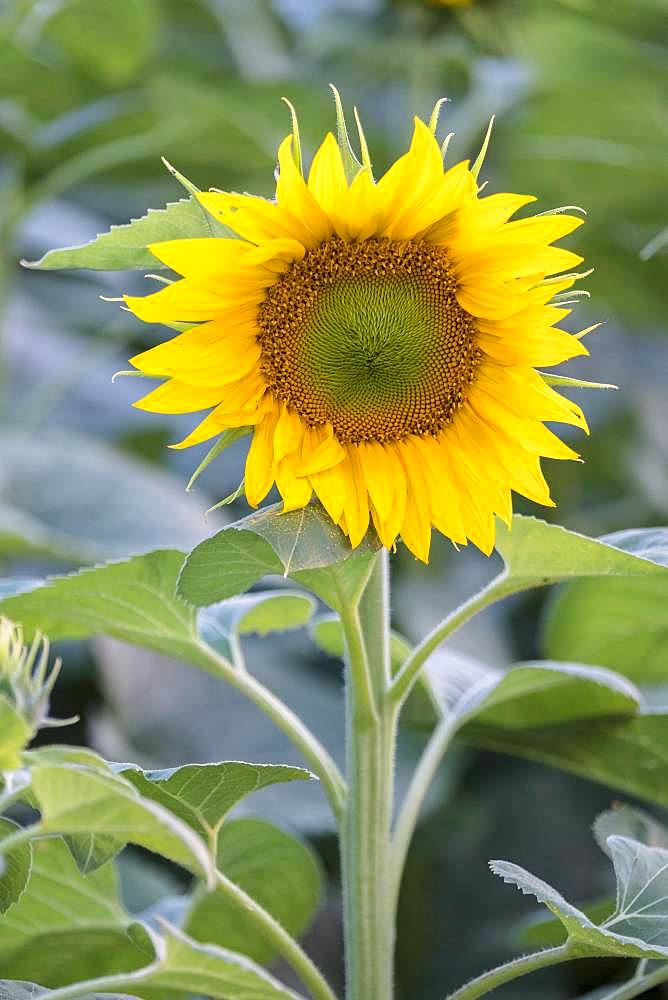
{"x": 378, "y": 340}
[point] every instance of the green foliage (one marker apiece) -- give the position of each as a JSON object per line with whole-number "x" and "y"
{"x": 126, "y": 247}
{"x": 203, "y": 794}
{"x": 304, "y": 545}
{"x": 133, "y": 600}
{"x": 617, "y": 623}
{"x": 637, "y": 927}
{"x": 67, "y": 926}
{"x": 279, "y": 871}
{"x": 537, "y": 553}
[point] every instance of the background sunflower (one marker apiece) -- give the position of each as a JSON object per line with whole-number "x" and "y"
{"x": 92, "y": 94}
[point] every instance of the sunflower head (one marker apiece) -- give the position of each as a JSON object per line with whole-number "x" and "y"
{"x": 379, "y": 339}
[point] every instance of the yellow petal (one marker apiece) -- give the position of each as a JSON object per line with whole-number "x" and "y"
{"x": 487, "y": 297}
{"x": 320, "y": 450}
{"x": 296, "y": 491}
{"x": 189, "y": 301}
{"x": 356, "y": 505}
{"x": 259, "y": 473}
{"x": 176, "y": 397}
{"x": 379, "y": 476}
{"x": 288, "y": 433}
{"x": 253, "y": 218}
{"x": 294, "y": 196}
{"x": 201, "y": 257}
{"x": 327, "y": 177}
{"x": 331, "y": 490}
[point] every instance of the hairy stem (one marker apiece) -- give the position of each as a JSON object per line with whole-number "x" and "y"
{"x": 315, "y": 754}
{"x": 365, "y": 837}
{"x": 284, "y": 943}
{"x": 489, "y": 981}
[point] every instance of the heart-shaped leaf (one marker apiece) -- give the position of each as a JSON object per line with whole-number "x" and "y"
{"x": 299, "y": 544}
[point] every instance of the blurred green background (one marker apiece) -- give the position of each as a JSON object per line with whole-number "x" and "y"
{"x": 93, "y": 92}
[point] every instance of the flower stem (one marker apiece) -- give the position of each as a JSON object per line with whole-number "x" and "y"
{"x": 489, "y": 981}
{"x": 497, "y": 589}
{"x": 284, "y": 943}
{"x": 365, "y": 836}
{"x": 315, "y": 754}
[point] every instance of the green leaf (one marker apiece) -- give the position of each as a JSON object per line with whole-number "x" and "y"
{"x": 126, "y": 247}
{"x": 133, "y": 600}
{"x": 617, "y": 623}
{"x": 639, "y": 926}
{"x": 259, "y": 613}
{"x": 15, "y": 734}
{"x": 627, "y": 754}
{"x": 78, "y": 800}
{"x": 546, "y": 931}
{"x": 537, "y": 553}
{"x": 67, "y": 927}
{"x": 544, "y": 693}
{"x": 203, "y": 794}
{"x": 268, "y": 542}
{"x": 15, "y": 867}
{"x": 274, "y": 868}
{"x": 183, "y": 965}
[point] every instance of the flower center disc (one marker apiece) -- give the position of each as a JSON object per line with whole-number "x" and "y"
{"x": 370, "y": 338}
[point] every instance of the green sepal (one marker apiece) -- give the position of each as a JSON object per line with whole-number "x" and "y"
{"x": 227, "y": 438}
{"x": 351, "y": 164}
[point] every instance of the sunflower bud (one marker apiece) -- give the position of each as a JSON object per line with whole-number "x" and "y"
{"x": 26, "y": 680}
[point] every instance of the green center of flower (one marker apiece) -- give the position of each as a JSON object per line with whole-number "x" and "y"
{"x": 370, "y": 338}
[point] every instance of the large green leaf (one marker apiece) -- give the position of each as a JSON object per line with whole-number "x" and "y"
{"x": 298, "y": 544}
{"x": 639, "y": 926}
{"x": 277, "y": 870}
{"x": 133, "y": 600}
{"x": 78, "y": 800}
{"x": 617, "y": 623}
{"x": 628, "y": 754}
{"x": 126, "y": 247}
{"x": 203, "y": 794}
{"x": 545, "y": 694}
{"x": 15, "y": 867}
{"x": 537, "y": 553}
{"x": 67, "y": 926}
{"x": 578, "y": 718}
